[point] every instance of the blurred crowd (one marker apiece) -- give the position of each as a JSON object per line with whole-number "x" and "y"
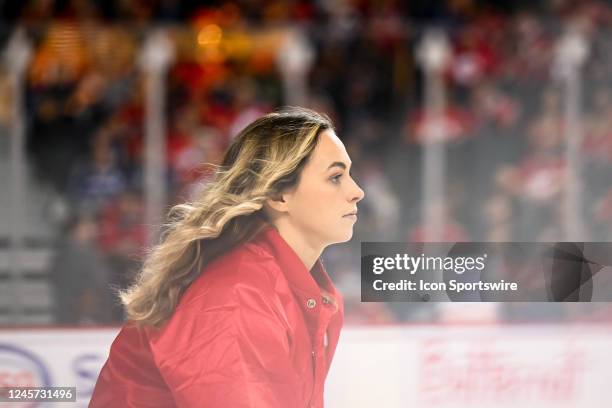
{"x": 504, "y": 122}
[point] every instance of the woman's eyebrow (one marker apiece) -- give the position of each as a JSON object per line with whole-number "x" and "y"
{"x": 337, "y": 164}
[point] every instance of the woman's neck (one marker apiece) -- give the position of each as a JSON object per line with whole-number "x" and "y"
{"x": 306, "y": 251}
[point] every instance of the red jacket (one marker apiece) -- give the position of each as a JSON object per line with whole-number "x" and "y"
{"x": 253, "y": 330}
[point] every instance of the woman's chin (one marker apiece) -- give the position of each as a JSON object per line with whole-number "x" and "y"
{"x": 346, "y": 236}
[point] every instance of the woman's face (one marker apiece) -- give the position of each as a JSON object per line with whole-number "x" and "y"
{"x": 318, "y": 207}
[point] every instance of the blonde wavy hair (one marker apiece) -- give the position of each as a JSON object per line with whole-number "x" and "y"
{"x": 264, "y": 160}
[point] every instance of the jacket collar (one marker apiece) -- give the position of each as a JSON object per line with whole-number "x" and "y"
{"x": 305, "y": 283}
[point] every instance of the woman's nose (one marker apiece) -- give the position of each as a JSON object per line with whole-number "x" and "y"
{"x": 358, "y": 193}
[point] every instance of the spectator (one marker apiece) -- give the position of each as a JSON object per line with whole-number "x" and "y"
{"x": 80, "y": 277}
{"x": 94, "y": 184}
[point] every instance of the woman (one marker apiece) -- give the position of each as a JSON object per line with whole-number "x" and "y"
{"x": 234, "y": 308}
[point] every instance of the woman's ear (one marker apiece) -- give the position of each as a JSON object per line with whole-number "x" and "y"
{"x": 277, "y": 204}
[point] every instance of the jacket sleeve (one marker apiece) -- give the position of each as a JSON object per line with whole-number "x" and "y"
{"x": 233, "y": 353}
{"x": 130, "y": 377}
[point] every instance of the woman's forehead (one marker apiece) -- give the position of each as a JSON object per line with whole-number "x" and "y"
{"x": 329, "y": 149}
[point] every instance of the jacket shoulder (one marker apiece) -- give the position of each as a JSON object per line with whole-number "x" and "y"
{"x": 238, "y": 285}
{"x": 247, "y": 267}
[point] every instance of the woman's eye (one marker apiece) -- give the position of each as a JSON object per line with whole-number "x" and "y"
{"x": 336, "y": 179}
